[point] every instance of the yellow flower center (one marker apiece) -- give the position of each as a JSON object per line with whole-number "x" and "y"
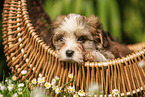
{"x": 71, "y": 76}
{"x": 113, "y": 92}
{"x": 77, "y": 96}
{"x": 58, "y": 91}
{"x": 14, "y": 78}
{"x": 41, "y": 80}
{"x": 54, "y": 88}
{"x": 56, "y": 78}
{"x": 33, "y": 81}
{"x": 47, "y": 85}
{"x": 81, "y": 92}
{"x": 20, "y": 92}
{"x": 11, "y": 86}
{"x": 69, "y": 89}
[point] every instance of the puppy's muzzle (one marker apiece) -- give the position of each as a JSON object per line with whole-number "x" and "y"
{"x": 69, "y": 53}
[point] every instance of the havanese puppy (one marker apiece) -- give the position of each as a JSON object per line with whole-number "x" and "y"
{"x": 77, "y": 38}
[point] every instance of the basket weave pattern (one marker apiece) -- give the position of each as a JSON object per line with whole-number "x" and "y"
{"x": 26, "y": 48}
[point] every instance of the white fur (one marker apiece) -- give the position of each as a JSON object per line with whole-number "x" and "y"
{"x": 71, "y": 23}
{"x": 70, "y": 44}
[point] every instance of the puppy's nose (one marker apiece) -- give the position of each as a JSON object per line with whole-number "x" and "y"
{"x": 69, "y": 53}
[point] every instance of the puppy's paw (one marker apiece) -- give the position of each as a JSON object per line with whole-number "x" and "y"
{"x": 107, "y": 54}
{"x": 95, "y": 56}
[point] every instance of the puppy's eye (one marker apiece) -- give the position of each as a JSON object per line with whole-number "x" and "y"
{"x": 82, "y": 39}
{"x": 60, "y": 39}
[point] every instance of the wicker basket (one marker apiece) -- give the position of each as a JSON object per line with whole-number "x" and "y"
{"x": 26, "y": 47}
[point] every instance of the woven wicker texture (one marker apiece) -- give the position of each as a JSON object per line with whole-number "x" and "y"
{"x": 27, "y": 47}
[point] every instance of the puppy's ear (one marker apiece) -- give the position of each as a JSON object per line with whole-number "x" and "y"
{"x": 100, "y": 36}
{"x": 54, "y": 25}
{"x": 93, "y": 20}
{"x": 58, "y": 21}
{"x": 105, "y": 38}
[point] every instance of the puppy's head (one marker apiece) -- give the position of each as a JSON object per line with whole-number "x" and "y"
{"x": 73, "y": 36}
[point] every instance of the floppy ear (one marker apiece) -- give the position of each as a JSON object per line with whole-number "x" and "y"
{"x": 105, "y": 38}
{"x": 93, "y": 20}
{"x": 54, "y": 25}
{"x": 100, "y": 36}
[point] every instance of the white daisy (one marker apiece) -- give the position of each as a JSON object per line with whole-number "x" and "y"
{"x": 21, "y": 85}
{"x": 53, "y": 81}
{"x": 10, "y": 87}
{"x": 15, "y": 95}
{"x": 14, "y": 78}
{"x": 34, "y": 81}
{"x": 24, "y": 72}
{"x": 54, "y": 87}
{"x": 56, "y": 78}
{"x": 70, "y": 75}
{"x": 115, "y": 92}
{"x": 71, "y": 89}
{"x": 47, "y": 85}
{"x": 58, "y": 90}
{"x": 81, "y": 93}
{"x": 41, "y": 80}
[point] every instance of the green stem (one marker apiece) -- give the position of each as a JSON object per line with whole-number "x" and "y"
{"x": 68, "y": 83}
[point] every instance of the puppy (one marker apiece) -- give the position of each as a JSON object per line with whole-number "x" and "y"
{"x": 77, "y": 38}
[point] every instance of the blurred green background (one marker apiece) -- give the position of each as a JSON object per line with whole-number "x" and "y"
{"x": 124, "y": 19}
